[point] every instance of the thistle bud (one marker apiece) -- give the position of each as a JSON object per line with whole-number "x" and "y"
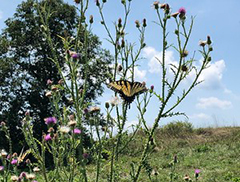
{"x": 137, "y": 23}
{"x": 104, "y": 1}
{"x": 184, "y": 53}
{"x": 107, "y": 105}
{"x": 123, "y": 1}
{"x": 97, "y": 3}
{"x": 91, "y": 19}
{"x": 210, "y": 48}
{"x": 182, "y": 13}
{"x": 209, "y": 40}
{"x": 184, "y": 68}
{"x": 144, "y": 22}
{"x": 156, "y": 4}
{"x": 119, "y": 68}
{"x": 119, "y": 23}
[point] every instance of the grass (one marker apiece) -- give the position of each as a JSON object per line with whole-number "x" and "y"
{"x": 215, "y": 151}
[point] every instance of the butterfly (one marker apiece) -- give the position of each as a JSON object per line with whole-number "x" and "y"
{"x": 127, "y": 90}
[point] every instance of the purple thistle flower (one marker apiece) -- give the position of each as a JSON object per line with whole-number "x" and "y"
{"x": 75, "y": 55}
{"x": 50, "y": 120}
{"x": 77, "y": 131}
{"x": 152, "y": 87}
{"x": 23, "y": 175}
{"x": 48, "y": 137}
{"x": 197, "y": 171}
{"x": 182, "y": 11}
{"x": 14, "y": 161}
{"x": 49, "y": 82}
{"x": 1, "y": 168}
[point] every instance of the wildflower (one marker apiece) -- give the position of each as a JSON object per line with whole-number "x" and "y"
{"x": 48, "y": 94}
{"x": 91, "y": 19}
{"x": 174, "y": 15}
{"x": 48, "y": 137}
{"x": 23, "y": 175}
{"x": 14, "y": 161}
{"x": 154, "y": 172}
{"x": 182, "y": 12}
{"x": 3, "y": 153}
{"x": 152, "y": 87}
{"x": 156, "y": 4}
{"x": 31, "y": 176}
{"x": 36, "y": 169}
{"x": 49, "y": 82}
{"x": 166, "y": 7}
{"x": 73, "y": 54}
{"x": 114, "y": 101}
{"x": 3, "y": 124}
{"x": 187, "y": 178}
{"x": 137, "y": 23}
{"x": 1, "y": 168}
{"x": 54, "y": 88}
{"x": 64, "y": 129}
{"x": 197, "y": 171}
{"x": 14, "y": 178}
{"x": 72, "y": 123}
{"x": 94, "y": 109}
{"x": 50, "y": 121}
{"x": 77, "y": 131}
{"x": 60, "y": 82}
{"x": 202, "y": 43}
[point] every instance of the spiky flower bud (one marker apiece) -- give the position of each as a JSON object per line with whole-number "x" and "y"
{"x": 137, "y": 23}
{"x": 184, "y": 68}
{"x": 209, "y": 40}
{"x": 174, "y": 15}
{"x": 107, "y": 105}
{"x": 97, "y": 3}
{"x": 119, "y": 23}
{"x": 144, "y": 22}
{"x": 202, "y": 43}
{"x": 77, "y": 1}
{"x": 156, "y": 4}
{"x": 91, "y": 19}
{"x": 184, "y": 53}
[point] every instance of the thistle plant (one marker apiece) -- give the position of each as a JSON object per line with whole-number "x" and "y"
{"x": 66, "y": 133}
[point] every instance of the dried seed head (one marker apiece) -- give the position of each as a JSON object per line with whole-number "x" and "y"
{"x": 137, "y": 23}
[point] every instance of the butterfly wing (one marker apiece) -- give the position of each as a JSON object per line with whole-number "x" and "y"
{"x": 127, "y": 90}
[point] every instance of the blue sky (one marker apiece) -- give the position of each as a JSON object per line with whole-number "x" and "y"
{"x": 216, "y": 102}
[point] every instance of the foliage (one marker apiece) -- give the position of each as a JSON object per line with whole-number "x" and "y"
{"x": 73, "y": 61}
{"x": 25, "y": 63}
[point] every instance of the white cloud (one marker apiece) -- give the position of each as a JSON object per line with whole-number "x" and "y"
{"x": 212, "y": 76}
{"x": 139, "y": 75}
{"x": 155, "y": 57}
{"x": 201, "y": 116}
{"x": 213, "y": 102}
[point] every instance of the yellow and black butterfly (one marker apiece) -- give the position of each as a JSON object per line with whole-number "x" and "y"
{"x": 127, "y": 90}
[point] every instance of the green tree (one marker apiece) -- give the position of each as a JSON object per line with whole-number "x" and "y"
{"x": 25, "y": 66}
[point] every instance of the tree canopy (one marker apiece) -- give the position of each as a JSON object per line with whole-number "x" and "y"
{"x": 25, "y": 66}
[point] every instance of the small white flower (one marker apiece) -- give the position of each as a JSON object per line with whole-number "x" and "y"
{"x": 14, "y": 178}
{"x": 3, "y": 153}
{"x": 114, "y": 101}
{"x": 31, "y": 176}
{"x": 64, "y": 129}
